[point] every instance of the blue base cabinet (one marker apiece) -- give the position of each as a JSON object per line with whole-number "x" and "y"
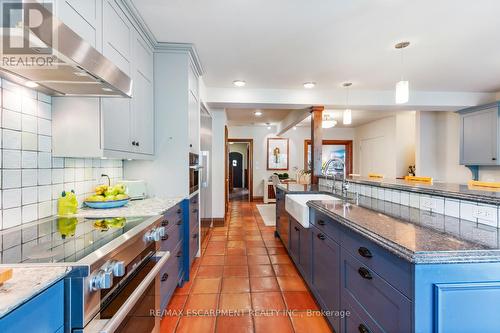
{"x": 382, "y": 292}
{"x": 191, "y": 232}
{"x": 44, "y": 313}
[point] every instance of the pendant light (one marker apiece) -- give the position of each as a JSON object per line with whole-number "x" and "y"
{"x": 328, "y": 121}
{"x": 403, "y": 86}
{"x": 347, "y": 115}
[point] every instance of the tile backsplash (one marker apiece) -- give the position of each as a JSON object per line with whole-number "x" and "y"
{"x": 462, "y": 209}
{"x": 31, "y": 178}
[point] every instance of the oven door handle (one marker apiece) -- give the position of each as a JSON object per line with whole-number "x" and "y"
{"x": 124, "y": 310}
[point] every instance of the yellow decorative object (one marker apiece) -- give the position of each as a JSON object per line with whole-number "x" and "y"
{"x": 67, "y": 204}
{"x": 5, "y": 275}
{"x": 418, "y": 179}
{"x": 375, "y": 175}
{"x": 476, "y": 183}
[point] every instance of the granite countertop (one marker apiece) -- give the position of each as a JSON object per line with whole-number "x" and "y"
{"x": 450, "y": 190}
{"x": 26, "y": 283}
{"x": 417, "y": 236}
{"x": 146, "y": 207}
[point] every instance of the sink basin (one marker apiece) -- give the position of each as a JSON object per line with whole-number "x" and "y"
{"x": 296, "y": 205}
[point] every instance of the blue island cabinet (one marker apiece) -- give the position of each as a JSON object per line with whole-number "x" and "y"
{"x": 44, "y": 313}
{"x": 385, "y": 293}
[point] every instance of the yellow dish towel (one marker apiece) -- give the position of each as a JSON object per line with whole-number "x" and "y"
{"x": 476, "y": 183}
{"x": 419, "y": 179}
{"x": 375, "y": 175}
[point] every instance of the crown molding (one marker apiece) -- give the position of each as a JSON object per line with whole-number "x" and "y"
{"x": 131, "y": 10}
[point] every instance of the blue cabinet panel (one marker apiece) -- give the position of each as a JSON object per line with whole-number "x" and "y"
{"x": 395, "y": 270}
{"x": 390, "y": 309}
{"x": 325, "y": 224}
{"x": 358, "y": 321}
{"x": 169, "y": 277}
{"x": 305, "y": 253}
{"x": 325, "y": 274}
{"x": 44, "y": 313}
{"x": 293, "y": 246}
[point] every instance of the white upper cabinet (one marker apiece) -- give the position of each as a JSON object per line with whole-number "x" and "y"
{"x": 83, "y": 17}
{"x": 107, "y": 127}
{"x": 480, "y": 135}
{"x": 116, "y": 36}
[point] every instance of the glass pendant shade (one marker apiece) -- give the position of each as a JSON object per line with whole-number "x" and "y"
{"x": 402, "y": 92}
{"x": 347, "y": 118}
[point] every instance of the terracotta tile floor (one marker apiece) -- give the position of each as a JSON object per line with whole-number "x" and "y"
{"x": 243, "y": 282}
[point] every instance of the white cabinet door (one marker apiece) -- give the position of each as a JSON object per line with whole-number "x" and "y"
{"x": 117, "y": 36}
{"x": 479, "y": 136}
{"x": 81, "y": 16}
{"x": 143, "y": 115}
{"x": 194, "y": 124}
{"x": 116, "y": 124}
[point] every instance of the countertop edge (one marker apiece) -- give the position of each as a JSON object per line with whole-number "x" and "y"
{"x": 431, "y": 257}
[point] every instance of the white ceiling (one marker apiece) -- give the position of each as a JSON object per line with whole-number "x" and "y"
{"x": 246, "y": 117}
{"x": 283, "y": 43}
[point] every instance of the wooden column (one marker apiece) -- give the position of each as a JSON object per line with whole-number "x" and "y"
{"x": 316, "y": 142}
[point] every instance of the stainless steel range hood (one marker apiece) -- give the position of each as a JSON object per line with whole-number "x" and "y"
{"x": 78, "y": 68}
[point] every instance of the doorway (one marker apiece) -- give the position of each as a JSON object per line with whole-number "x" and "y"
{"x": 240, "y": 169}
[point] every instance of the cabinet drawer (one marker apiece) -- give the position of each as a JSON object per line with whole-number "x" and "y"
{"x": 393, "y": 269}
{"x": 173, "y": 216}
{"x": 169, "y": 278}
{"x": 390, "y": 309}
{"x": 193, "y": 245}
{"x": 172, "y": 238}
{"x": 43, "y": 313}
{"x": 325, "y": 224}
{"x": 358, "y": 320}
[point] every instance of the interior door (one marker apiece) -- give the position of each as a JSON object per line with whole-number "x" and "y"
{"x": 236, "y": 165}
{"x": 226, "y": 168}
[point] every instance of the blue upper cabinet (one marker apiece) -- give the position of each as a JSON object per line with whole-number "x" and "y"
{"x": 479, "y": 135}
{"x": 44, "y": 313}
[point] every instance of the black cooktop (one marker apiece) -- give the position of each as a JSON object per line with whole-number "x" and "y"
{"x": 61, "y": 239}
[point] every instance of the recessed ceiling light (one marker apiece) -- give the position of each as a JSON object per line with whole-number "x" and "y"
{"x": 239, "y": 83}
{"x": 258, "y": 113}
{"x": 268, "y": 126}
{"x": 31, "y": 84}
{"x": 309, "y": 85}
{"x": 294, "y": 128}
{"x": 107, "y": 89}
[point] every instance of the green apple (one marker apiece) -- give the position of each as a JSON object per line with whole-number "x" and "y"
{"x": 110, "y": 198}
{"x": 121, "y": 196}
{"x": 120, "y": 188}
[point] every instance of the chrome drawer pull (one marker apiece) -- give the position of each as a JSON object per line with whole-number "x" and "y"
{"x": 321, "y": 236}
{"x": 365, "y": 274}
{"x": 364, "y": 252}
{"x": 363, "y": 329}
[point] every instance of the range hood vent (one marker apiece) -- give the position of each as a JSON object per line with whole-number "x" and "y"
{"x": 76, "y": 67}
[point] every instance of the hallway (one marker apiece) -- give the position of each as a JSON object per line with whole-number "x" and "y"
{"x": 244, "y": 282}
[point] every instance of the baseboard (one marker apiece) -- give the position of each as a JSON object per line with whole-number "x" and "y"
{"x": 258, "y": 198}
{"x": 218, "y": 222}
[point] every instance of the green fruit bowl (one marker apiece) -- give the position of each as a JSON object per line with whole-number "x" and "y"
{"x": 106, "y": 204}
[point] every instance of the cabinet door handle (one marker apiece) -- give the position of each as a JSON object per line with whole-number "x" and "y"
{"x": 164, "y": 277}
{"x": 195, "y": 210}
{"x": 365, "y": 274}
{"x": 296, "y": 229}
{"x": 164, "y": 223}
{"x": 321, "y": 236}
{"x": 364, "y": 252}
{"x": 493, "y": 158}
{"x": 195, "y": 236}
{"x": 137, "y": 144}
{"x": 179, "y": 222}
{"x": 363, "y": 329}
{"x": 179, "y": 211}
{"x": 133, "y": 143}
{"x": 179, "y": 254}
{"x": 321, "y": 222}
{"x": 164, "y": 238}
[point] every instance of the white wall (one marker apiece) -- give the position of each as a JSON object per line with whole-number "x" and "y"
{"x": 218, "y": 122}
{"x": 297, "y": 137}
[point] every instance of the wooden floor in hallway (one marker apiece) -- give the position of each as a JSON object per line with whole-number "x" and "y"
{"x": 244, "y": 282}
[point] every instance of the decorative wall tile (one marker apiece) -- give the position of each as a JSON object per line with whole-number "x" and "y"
{"x": 466, "y": 210}
{"x": 452, "y": 207}
{"x": 32, "y": 180}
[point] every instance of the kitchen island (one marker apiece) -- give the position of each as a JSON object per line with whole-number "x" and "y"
{"x": 395, "y": 268}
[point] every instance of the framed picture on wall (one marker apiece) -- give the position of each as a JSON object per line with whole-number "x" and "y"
{"x": 277, "y": 154}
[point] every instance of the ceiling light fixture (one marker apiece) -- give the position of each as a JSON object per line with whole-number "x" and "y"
{"x": 239, "y": 83}
{"x": 107, "y": 89}
{"x": 309, "y": 85}
{"x": 268, "y": 126}
{"x": 294, "y": 128}
{"x": 328, "y": 121}
{"x": 403, "y": 86}
{"x": 347, "y": 115}
{"x": 31, "y": 84}
{"x": 258, "y": 113}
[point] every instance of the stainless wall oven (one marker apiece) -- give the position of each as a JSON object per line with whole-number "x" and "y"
{"x": 194, "y": 172}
